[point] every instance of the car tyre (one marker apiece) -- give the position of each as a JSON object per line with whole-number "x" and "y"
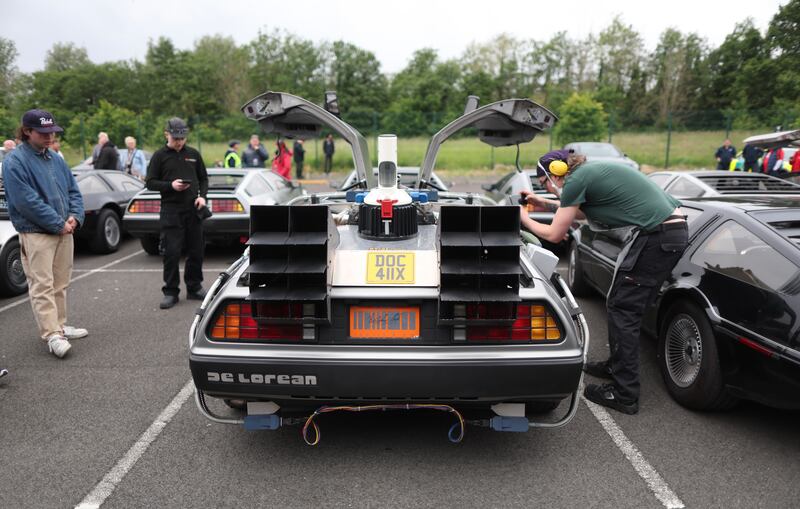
{"x": 689, "y": 361}
{"x": 12, "y": 276}
{"x": 150, "y": 244}
{"x": 576, "y": 280}
{"x": 108, "y": 235}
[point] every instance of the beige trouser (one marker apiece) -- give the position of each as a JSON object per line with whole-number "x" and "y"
{"x": 47, "y": 261}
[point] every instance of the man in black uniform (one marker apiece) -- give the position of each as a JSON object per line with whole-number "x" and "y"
{"x": 299, "y": 157}
{"x": 725, "y": 155}
{"x": 177, "y": 171}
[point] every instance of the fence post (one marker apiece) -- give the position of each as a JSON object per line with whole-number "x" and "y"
{"x": 728, "y": 121}
{"x": 139, "y": 130}
{"x": 199, "y": 138}
{"x": 610, "y": 125}
{"x": 669, "y": 138}
{"x": 374, "y": 121}
{"x": 550, "y": 137}
{"x": 491, "y": 162}
{"x": 83, "y": 139}
{"x": 316, "y": 156}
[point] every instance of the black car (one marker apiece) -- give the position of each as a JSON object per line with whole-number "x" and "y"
{"x": 106, "y": 194}
{"x": 727, "y": 318}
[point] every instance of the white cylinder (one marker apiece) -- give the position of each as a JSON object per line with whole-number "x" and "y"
{"x": 387, "y": 148}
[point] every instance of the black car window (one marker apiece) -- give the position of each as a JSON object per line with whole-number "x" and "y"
{"x": 734, "y": 251}
{"x": 660, "y": 179}
{"x": 684, "y": 188}
{"x": 256, "y": 186}
{"x": 124, "y": 182}
{"x": 92, "y": 184}
{"x": 503, "y": 181}
{"x": 224, "y": 181}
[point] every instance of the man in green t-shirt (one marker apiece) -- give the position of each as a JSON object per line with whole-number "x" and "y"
{"x": 612, "y": 195}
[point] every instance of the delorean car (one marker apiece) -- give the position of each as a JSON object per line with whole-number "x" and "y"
{"x": 390, "y": 298}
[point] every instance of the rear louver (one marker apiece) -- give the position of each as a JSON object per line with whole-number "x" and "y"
{"x": 291, "y": 249}
{"x": 789, "y": 229}
{"x": 748, "y": 183}
{"x": 479, "y": 254}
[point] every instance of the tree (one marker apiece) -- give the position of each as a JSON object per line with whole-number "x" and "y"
{"x": 283, "y": 62}
{"x": 581, "y": 119}
{"x": 8, "y": 71}
{"x": 783, "y": 37}
{"x": 64, "y": 56}
{"x": 678, "y": 69}
{"x": 229, "y": 66}
{"x": 619, "y": 50}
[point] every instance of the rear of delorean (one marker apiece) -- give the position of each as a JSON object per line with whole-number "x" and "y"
{"x": 387, "y": 298}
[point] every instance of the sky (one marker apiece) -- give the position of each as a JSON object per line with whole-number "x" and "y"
{"x": 120, "y": 29}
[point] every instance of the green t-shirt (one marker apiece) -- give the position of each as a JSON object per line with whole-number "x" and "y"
{"x": 616, "y": 195}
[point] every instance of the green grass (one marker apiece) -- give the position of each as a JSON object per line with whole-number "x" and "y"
{"x": 688, "y": 150}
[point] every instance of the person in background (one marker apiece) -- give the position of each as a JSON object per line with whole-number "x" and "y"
{"x": 724, "y": 155}
{"x": 46, "y": 207}
{"x": 612, "y": 195}
{"x": 108, "y": 158}
{"x": 796, "y": 162}
{"x": 751, "y": 155}
{"x": 232, "y": 159}
{"x": 772, "y": 162}
{"x": 8, "y": 146}
{"x": 177, "y": 171}
{"x": 102, "y": 138}
{"x": 133, "y": 161}
{"x": 56, "y": 147}
{"x": 282, "y": 164}
{"x": 328, "y": 149}
{"x": 255, "y": 155}
{"x": 299, "y": 157}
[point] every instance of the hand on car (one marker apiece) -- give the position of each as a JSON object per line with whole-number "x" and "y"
{"x": 180, "y": 185}
{"x": 533, "y": 198}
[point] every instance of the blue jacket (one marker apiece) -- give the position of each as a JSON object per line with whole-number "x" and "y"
{"x": 138, "y": 163}
{"x": 40, "y": 190}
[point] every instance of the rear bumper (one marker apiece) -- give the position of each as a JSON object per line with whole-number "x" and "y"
{"x": 328, "y": 380}
{"x": 220, "y": 225}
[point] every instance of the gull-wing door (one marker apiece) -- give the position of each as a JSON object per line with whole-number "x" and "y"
{"x": 499, "y": 124}
{"x": 775, "y": 140}
{"x": 294, "y": 117}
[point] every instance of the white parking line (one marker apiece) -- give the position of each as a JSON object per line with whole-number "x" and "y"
{"x": 109, "y": 483}
{"x": 89, "y": 273}
{"x": 654, "y": 481}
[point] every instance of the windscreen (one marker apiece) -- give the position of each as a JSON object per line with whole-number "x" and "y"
{"x": 224, "y": 181}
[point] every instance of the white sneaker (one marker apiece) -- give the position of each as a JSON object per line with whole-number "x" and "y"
{"x": 59, "y": 346}
{"x": 74, "y": 332}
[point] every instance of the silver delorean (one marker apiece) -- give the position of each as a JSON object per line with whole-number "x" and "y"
{"x": 387, "y": 297}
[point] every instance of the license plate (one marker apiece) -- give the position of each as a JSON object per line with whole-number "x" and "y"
{"x": 392, "y": 268}
{"x": 384, "y": 322}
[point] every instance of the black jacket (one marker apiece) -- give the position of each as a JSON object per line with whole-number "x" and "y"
{"x": 167, "y": 165}
{"x": 299, "y": 152}
{"x": 108, "y": 158}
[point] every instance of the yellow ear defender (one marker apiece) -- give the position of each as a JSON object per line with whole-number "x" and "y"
{"x": 558, "y": 168}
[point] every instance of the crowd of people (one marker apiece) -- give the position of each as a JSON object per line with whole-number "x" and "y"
{"x": 755, "y": 160}
{"x": 256, "y": 156}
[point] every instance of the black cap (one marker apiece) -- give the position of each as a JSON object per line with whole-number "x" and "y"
{"x": 177, "y": 127}
{"x": 40, "y": 121}
{"x": 233, "y": 143}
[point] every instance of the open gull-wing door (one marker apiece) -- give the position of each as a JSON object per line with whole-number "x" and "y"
{"x": 500, "y": 124}
{"x": 775, "y": 140}
{"x": 294, "y": 117}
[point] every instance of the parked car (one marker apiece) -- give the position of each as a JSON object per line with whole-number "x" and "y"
{"x": 12, "y": 277}
{"x": 727, "y": 318}
{"x": 231, "y": 192}
{"x": 106, "y": 194}
{"x": 599, "y": 151}
{"x": 86, "y": 164}
{"x": 396, "y": 301}
{"x": 705, "y": 183}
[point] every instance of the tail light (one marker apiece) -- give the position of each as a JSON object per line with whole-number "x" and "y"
{"x": 234, "y": 322}
{"x": 225, "y": 205}
{"x": 145, "y": 207}
{"x": 503, "y": 322}
{"x": 538, "y": 208}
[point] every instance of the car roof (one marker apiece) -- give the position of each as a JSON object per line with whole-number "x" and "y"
{"x": 748, "y": 203}
{"x": 730, "y": 182}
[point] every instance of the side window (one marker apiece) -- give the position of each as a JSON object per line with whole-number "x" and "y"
{"x": 256, "y": 186}
{"x": 124, "y": 182}
{"x": 92, "y": 184}
{"x": 736, "y": 252}
{"x": 684, "y": 188}
{"x": 660, "y": 179}
{"x": 277, "y": 182}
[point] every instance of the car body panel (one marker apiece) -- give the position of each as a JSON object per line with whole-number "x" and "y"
{"x": 710, "y": 183}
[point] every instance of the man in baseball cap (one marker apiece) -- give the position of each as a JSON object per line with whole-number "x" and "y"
{"x": 46, "y": 207}
{"x": 177, "y": 128}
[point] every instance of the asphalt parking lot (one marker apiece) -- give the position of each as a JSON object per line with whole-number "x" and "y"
{"x": 114, "y": 423}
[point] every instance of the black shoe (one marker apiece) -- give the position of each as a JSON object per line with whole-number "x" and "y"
{"x": 196, "y": 295}
{"x": 168, "y": 301}
{"x": 607, "y": 395}
{"x": 601, "y": 369}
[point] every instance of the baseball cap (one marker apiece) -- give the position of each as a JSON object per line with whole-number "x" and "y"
{"x": 40, "y": 121}
{"x": 233, "y": 143}
{"x": 547, "y": 160}
{"x": 177, "y": 127}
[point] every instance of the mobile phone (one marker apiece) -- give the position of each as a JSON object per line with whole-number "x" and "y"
{"x": 185, "y": 181}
